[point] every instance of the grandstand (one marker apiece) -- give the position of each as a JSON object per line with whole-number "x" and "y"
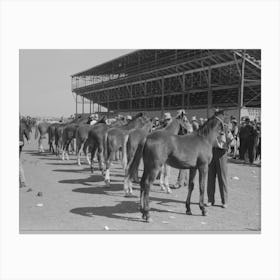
{"x": 156, "y": 81}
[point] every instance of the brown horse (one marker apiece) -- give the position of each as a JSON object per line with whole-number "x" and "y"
{"x": 69, "y": 134}
{"x": 96, "y": 140}
{"x": 176, "y": 126}
{"x": 82, "y": 136}
{"x": 114, "y": 140}
{"x": 25, "y": 129}
{"x": 42, "y": 129}
{"x": 51, "y": 134}
{"x": 192, "y": 152}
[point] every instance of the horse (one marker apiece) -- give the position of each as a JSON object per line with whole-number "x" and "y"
{"x": 69, "y": 134}
{"x": 82, "y": 136}
{"x": 176, "y": 126}
{"x": 51, "y": 134}
{"x": 131, "y": 142}
{"x": 96, "y": 141}
{"x": 25, "y": 129}
{"x": 42, "y": 129}
{"x": 114, "y": 140}
{"x": 193, "y": 151}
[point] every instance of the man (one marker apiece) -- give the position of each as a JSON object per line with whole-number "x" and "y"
{"x": 167, "y": 119}
{"x": 156, "y": 123}
{"x": 234, "y": 131}
{"x": 247, "y": 138}
{"x": 182, "y": 178}
{"x": 195, "y": 123}
{"x": 218, "y": 168}
{"x": 201, "y": 122}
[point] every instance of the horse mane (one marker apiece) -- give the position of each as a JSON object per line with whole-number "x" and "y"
{"x": 139, "y": 115}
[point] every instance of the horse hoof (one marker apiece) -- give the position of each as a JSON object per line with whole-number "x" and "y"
{"x": 189, "y": 212}
{"x": 148, "y": 220}
{"x": 168, "y": 190}
{"x": 107, "y": 183}
{"x": 204, "y": 213}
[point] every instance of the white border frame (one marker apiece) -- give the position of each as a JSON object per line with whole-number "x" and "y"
{"x": 177, "y": 24}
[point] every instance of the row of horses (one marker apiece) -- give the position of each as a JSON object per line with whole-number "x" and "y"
{"x": 169, "y": 146}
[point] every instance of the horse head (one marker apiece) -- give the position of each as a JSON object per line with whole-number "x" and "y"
{"x": 213, "y": 127}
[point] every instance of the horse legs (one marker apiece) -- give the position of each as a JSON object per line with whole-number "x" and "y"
{"x": 93, "y": 150}
{"x": 203, "y": 170}
{"x": 161, "y": 180}
{"x": 79, "y": 152}
{"x": 100, "y": 159}
{"x": 66, "y": 149}
{"x": 191, "y": 186}
{"x": 108, "y": 165}
{"x": 146, "y": 181}
{"x": 166, "y": 178}
{"x": 40, "y": 145}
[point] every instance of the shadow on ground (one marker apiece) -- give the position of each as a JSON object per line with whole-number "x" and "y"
{"x": 115, "y": 212}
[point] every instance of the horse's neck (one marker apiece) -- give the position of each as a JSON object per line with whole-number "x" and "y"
{"x": 132, "y": 124}
{"x": 212, "y": 136}
{"x": 173, "y": 127}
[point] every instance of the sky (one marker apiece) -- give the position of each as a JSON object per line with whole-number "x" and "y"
{"x": 45, "y": 82}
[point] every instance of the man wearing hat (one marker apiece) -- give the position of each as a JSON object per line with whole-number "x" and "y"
{"x": 218, "y": 168}
{"x": 234, "y": 131}
{"x": 181, "y": 113}
{"x": 167, "y": 119}
{"x": 195, "y": 123}
{"x": 201, "y": 121}
{"x": 244, "y": 134}
{"x": 156, "y": 123}
{"x": 92, "y": 119}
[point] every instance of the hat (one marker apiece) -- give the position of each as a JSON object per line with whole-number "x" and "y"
{"x": 180, "y": 112}
{"x": 247, "y": 119}
{"x": 194, "y": 118}
{"x": 167, "y": 116}
{"x": 234, "y": 120}
{"x": 128, "y": 117}
{"x": 156, "y": 118}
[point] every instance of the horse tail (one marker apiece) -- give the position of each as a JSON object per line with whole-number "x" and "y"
{"x": 36, "y": 132}
{"x": 124, "y": 150}
{"x": 105, "y": 146}
{"x": 133, "y": 167}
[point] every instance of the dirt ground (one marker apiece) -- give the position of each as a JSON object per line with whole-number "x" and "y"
{"x": 74, "y": 200}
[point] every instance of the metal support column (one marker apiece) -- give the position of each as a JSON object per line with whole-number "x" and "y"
{"x": 76, "y": 104}
{"x": 108, "y": 106}
{"x": 184, "y": 89}
{"x": 241, "y": 90}
{"x": 162, "y": 97}
{"x": 83, "y": 108}
{"x": 209, "y": 94}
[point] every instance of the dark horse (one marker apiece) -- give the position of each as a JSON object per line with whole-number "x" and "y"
{"x": 192, "y": 152}
{"x": 25, "y": 129}
{"x": 138, "y": 137}
{"x": 114, "y": 140}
